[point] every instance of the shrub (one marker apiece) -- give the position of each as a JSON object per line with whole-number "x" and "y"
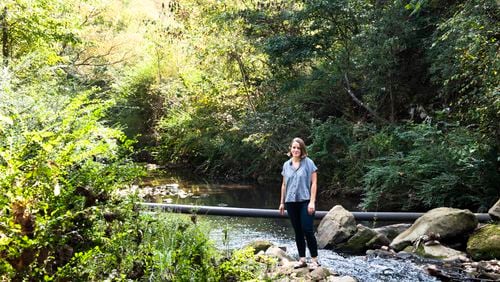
{"x": 428, "y": 167}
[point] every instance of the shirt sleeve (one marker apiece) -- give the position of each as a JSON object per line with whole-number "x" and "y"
{"x": 313, "y": 166}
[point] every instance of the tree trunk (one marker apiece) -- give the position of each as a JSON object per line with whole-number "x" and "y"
{"x": 244, "y": 76}
{"x": 5, "y": 37}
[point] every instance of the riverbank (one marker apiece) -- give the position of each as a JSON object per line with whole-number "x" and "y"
{"x": 366, "y": 266}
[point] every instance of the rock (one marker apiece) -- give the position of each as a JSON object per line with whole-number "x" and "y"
{"x": 433, "y": 270}
{"x": 278, "y": 253}
{"x": 447, "y": 222}
{"x": 152, "y": 167}
{"x": 341, "y": 279}
{"x": 381, "y": 253}
{"x": 441, "y": 252}
{"x": 392, "y": 231}
{"x": 337, "y": 226}
{"x": 364, "y": 239}
{"x": 484, "y": 243}
{"x": 487, "y": 270}
{"x": 301, "y": 272}
{"x": 319, "y": 274}
{"x": 259, "y": 245}
{"x": 494, "y": 211}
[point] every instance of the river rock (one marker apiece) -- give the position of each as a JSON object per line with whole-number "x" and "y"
{"x": 319, "y": 274}
{"x": 438, "y": 251}
{"x": 447, "y": 222}
{"x": 280, "y": 254}
{"x": 341, "y": 279}
{"x": 393, "y": 230}
{"x": 364, "y": 239}
{"x": 483, "y": 270}
{"x": 259, "y": 245}
{"x": 337, "y": 226}
{"x": 484, "y": 243}
{"x": 494, "y": 211}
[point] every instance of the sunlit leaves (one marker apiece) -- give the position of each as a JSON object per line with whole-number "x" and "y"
{"x": 465, "y": 55}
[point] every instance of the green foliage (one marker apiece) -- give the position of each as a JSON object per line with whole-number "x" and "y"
{"x": 139, "y": 104}
{"x": 182, "y": 251}
{"x": 59, "y": 165}
{"x": 322, "y": 70}
{"x": 244, "y": 265}
{"x": 154, "y": 247}
{"x": 465, "y": 63}
{"x": 330, "y": 150}
{"x": 40, "y": 28}
{"x": 425, "y": 166}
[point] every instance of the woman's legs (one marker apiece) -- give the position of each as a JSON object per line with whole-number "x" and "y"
{"x": 307, "y": 222}
{"x": 294, "y": 212}
{"x": 303, "y": 225}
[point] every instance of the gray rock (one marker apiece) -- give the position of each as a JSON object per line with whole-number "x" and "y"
{"x": 319, "y": 274}
{"x": 441, "y": 252}
{"x": 341, "y": 279}
{"x": 393, "y": 230}
{"x": 447, "y": 222}
{"x": 364, "y": 239}
{"x": 278, "y": 253}
{"x": 337, "y": 226}
{"x": 494, "y": 211}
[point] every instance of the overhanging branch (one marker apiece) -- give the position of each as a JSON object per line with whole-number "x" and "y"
{"x": 360, "y": 103}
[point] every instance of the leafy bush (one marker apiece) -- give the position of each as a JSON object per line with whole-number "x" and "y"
{"x": 59, "y": 164}
{"x": 182, "y": 250}
{"x": 244, "y": 265}
{"x": 329, "y": 150}
{"x": 156, "y": 247}
{"x": 426, "y": 166}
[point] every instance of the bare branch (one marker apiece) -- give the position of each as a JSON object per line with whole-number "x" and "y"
{"x": 360, "y": 103}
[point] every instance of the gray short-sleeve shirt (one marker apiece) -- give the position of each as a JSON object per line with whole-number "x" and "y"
{"x": 298, "y": 181}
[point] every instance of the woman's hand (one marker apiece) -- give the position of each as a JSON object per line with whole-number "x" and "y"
{"x": 282, "y": 209}
{"x": 311, "y": 208}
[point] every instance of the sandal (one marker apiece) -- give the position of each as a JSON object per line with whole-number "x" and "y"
{"x": 314, "y": 265}
{"x": 299, "y": 264}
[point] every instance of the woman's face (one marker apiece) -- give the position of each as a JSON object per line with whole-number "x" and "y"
{"x": 296, "y": 152}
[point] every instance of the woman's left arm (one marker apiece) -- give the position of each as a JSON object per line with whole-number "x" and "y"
{"x": 314, "y": 187}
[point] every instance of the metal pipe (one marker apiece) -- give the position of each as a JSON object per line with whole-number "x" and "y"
{"x": 274, "y": 213}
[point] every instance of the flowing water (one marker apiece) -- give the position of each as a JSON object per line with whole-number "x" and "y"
{"x": 235, "y": 232}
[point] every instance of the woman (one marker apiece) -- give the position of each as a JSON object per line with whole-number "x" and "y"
{"x": 298, "y": 196}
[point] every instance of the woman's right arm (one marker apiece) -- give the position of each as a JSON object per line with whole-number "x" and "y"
{"x": 282, "y": 197}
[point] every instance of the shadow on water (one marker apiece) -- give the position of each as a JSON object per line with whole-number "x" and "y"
{"x": 234, "y": 232}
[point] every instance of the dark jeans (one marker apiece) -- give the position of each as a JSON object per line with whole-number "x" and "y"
{"x": 303, "y": 225}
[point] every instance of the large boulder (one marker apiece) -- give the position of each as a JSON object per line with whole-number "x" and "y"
{"x": 448, "y": 223}
{"x": 494, "y": 211}
{"x": 484, "y": 243}
{"x": 337, "y": 226}
{"x": 364, "y": 239}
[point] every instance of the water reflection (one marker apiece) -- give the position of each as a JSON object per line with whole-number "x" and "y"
{"x": 240, "y": 195}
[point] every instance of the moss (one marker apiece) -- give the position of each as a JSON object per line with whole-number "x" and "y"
{"x": 484, "y": 244}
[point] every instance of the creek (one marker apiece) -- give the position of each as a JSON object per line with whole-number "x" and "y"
{"x": 234, "y": 232}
